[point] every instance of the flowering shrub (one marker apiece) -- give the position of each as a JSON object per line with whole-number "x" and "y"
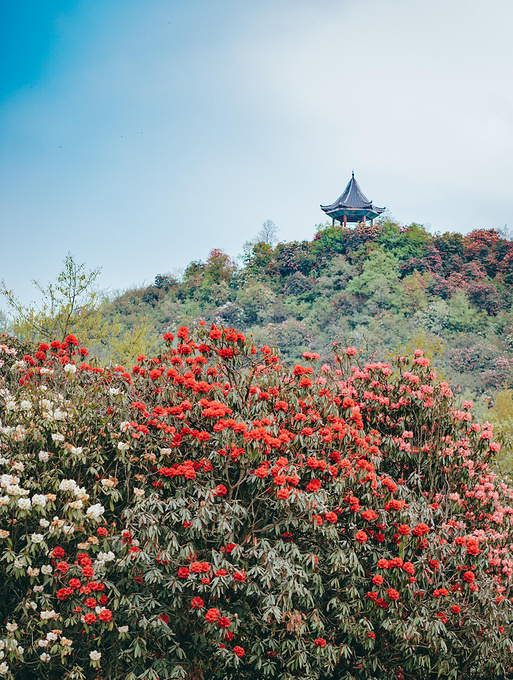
{"x": 211, "y": 513}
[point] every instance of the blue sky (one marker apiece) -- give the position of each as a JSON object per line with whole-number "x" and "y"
{"x": 139, "y": 135}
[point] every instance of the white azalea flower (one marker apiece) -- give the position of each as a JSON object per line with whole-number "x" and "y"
{"x": 67, "y": 485}
{"x": 95, "y": 511}
{"x": 24, "y": 503}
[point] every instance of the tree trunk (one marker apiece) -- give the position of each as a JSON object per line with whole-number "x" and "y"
{"x": 195, "y": 672}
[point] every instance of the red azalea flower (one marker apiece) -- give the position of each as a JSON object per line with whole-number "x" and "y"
{"x": 313, "y": 485}
{"x": 472, "y": 547}
{"x": 64, "y": 593}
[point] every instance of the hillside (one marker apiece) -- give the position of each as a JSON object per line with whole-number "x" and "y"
{"x": 377, "y": 287}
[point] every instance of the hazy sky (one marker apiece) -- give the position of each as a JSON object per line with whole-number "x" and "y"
{"x": 139, "y": 134}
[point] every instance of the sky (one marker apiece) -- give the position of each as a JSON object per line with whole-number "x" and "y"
{"x": 140, "y": 135}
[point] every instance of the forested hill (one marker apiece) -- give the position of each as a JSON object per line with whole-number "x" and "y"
{"x": 377, "y": 287}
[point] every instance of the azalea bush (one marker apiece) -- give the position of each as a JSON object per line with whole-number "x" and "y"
{"x": 212, "y": 513}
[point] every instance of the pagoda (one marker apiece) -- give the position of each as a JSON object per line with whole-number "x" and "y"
{"x": 352, "y": 206}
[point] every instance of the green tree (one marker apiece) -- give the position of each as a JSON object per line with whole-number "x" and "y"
{"x": 378, "y": 279}
{"x": 255, "y": 298}
{"x": 462, "y": 316}
{"x": 219, "y": 268}
{"x": 71, "y": 304}
{"x": 74, "y": 305}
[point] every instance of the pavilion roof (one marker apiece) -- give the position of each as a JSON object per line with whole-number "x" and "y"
{"x": 352, "y": 199}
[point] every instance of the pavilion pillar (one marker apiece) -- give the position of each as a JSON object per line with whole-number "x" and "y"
{"x": 364, "y": 219}
{"x": 345, "y": 220}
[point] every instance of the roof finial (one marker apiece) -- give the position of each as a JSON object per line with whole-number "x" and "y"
{"x": 352, "y": 174}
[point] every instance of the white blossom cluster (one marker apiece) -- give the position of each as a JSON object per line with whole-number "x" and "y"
{"x": 11, "y": 484}
{"x": 18, "y": 433}
{"x": 9, "y": 645}
{"x": 95, "y": 511}
{"x": 53, "y": 415}
{"x": 103, "y": 557}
